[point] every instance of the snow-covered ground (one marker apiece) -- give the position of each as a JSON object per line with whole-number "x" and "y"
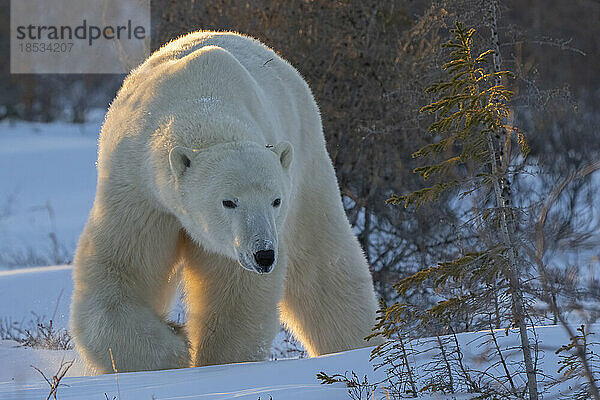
{"x": 47, "y": 290}
{"x": 47, "y": 184}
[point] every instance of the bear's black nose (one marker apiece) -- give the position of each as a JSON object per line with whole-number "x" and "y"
{"x": 264, "y": 258}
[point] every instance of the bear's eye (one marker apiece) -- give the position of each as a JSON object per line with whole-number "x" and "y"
{"x": 229, "y": 204}
{"x": 276, "y": 202}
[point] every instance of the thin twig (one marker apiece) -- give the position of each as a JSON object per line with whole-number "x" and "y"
{"x": 62, "y": 371}
{"x": 112, "y": 360}
{"x": 513, "y": 389}
{"x": 447, "y": 363}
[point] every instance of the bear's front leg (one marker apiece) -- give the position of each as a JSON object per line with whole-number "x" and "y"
{"x": 121, "y": 275}
{"x": 232, "y": 313}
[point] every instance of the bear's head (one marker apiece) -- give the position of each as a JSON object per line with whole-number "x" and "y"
{"x": 234, "y": 199}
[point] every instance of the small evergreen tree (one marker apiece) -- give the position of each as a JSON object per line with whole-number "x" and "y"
{"x": 469, "y": 122}
{"x": 470, "y": 159}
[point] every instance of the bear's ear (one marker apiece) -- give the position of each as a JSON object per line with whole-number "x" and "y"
{"x": 285, "y": 151}
{"x": 180, "y": 158}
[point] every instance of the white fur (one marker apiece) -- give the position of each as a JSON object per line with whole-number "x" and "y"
{"x": 212, "y": 117}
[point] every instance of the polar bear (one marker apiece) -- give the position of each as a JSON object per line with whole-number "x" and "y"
{"x": 212, "y": 166}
